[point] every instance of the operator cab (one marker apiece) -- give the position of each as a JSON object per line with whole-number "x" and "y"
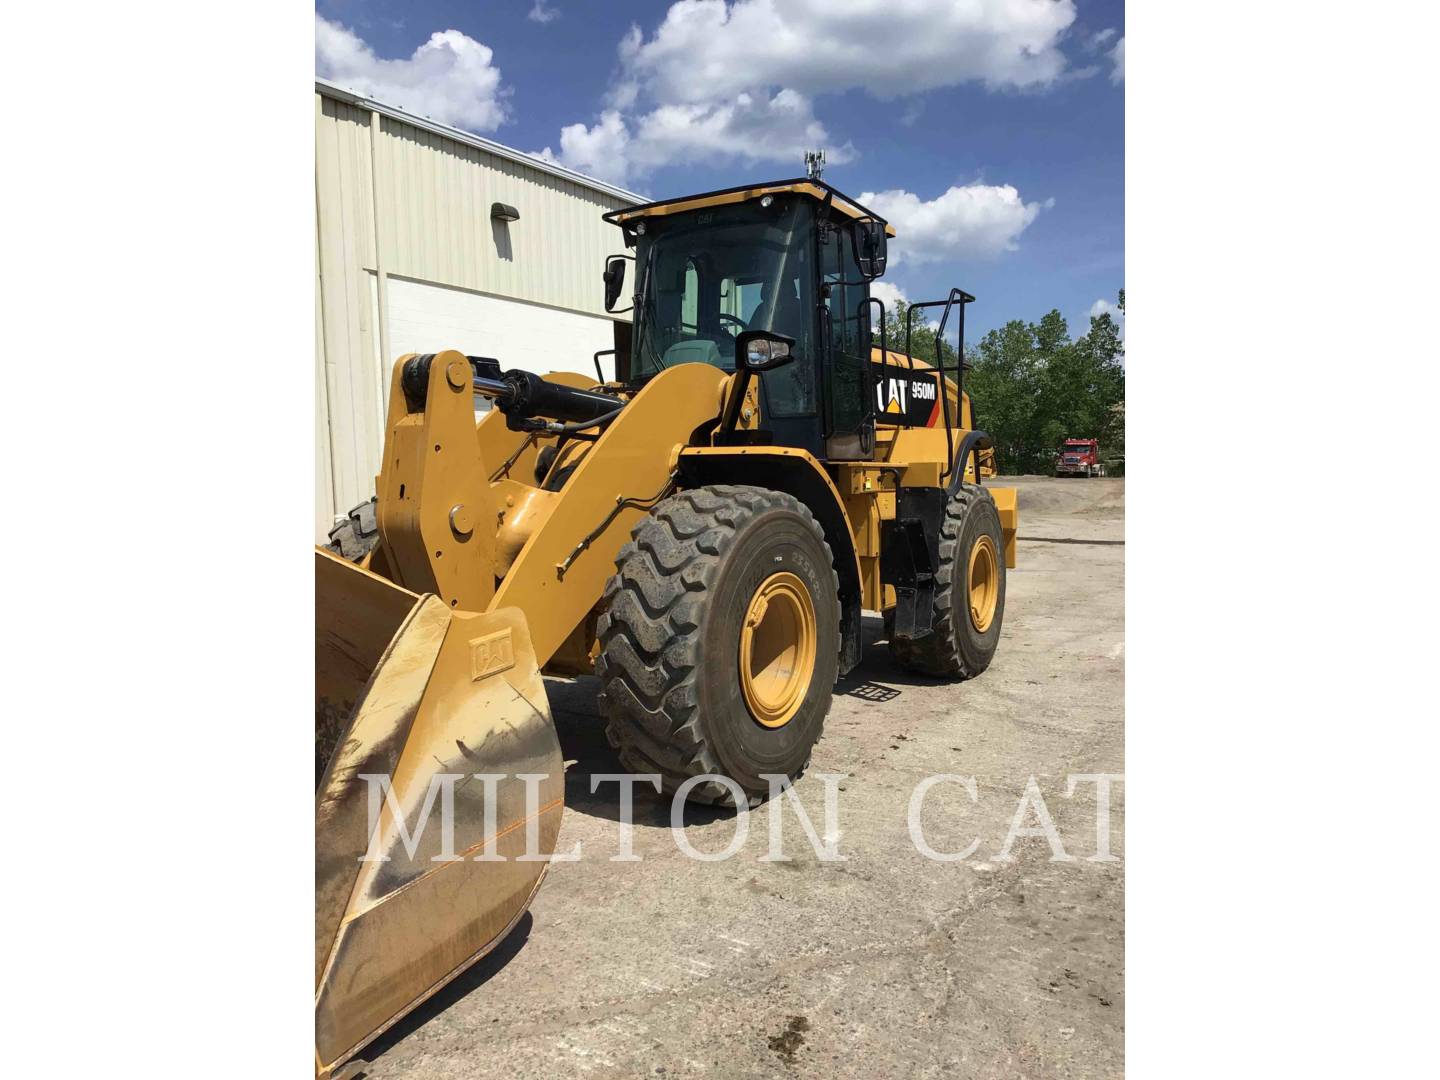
{"x": 788, "y": 264}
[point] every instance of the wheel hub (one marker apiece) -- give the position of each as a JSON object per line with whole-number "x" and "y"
{"x": 984, "y": 582}
{"x": 777, "y": 649}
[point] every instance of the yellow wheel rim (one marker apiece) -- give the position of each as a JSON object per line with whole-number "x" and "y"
{"x": 984, "y": 579}
{"x": 777, "y": 649}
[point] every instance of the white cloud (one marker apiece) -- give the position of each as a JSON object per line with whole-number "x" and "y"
{"x": 737, "y": 80}
{"x": 1117, "y": 56}
{"x": 974, "y": 221}
{"x": 749, "y": 128}
{"x": 542, "y": 14}
{"x": 625, "y": 89}
{"x": 1097, "y": 40}
{"x": 450, "y": 78}
{"x": 888, "y": 47}
{"x": 912, "y": 112}
{"x": 891, "y": 294}
{"x": 598, "y": 151}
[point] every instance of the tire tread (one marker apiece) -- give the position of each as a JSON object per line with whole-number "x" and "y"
{"x": 649, "y": 633}
{"x": 938, "y": 653}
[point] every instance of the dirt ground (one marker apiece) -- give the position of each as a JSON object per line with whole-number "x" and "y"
{"x": 886, "y": 963}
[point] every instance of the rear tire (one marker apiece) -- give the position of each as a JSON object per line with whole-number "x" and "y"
{"x": 671, "y": 639}
{"x": 956, "y": 647}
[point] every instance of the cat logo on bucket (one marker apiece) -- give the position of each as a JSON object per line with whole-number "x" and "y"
{"x": 491, "y": 654}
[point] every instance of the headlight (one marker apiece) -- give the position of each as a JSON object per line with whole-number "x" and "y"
{"x": 761, "y": 351}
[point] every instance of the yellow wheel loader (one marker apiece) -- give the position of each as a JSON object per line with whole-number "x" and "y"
{"x": 702, "y": 532}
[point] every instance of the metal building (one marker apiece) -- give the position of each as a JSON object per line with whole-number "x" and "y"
{"x": 430, "y": 238}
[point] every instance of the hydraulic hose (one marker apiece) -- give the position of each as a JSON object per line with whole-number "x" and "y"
{"x": 520, "y": 395}
{"x": 552, "y": 428}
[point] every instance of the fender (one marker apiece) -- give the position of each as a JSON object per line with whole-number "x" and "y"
{"x": 1006, "y": 501}
{"x": 972, "y": 443}
{"x": 797, "y": 473}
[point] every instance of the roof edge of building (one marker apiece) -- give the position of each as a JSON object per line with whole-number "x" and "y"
{"x": 490, "y": 146}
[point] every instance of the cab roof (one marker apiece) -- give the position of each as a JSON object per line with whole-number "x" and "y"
{"x": 815, "y": 189}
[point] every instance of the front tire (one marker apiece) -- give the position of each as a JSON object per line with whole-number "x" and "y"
{"x": 969, "y": 604}
{"x": 357, "y": 535}
{"x": 720, "y": 641}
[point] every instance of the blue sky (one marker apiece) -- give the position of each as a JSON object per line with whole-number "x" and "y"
{"x": 991, "y": 134}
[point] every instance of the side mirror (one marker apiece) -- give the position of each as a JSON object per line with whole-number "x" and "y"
{"x": 614, "y": 279}
{"x": 760, "y": 350}
{"x": 870, "y": 241}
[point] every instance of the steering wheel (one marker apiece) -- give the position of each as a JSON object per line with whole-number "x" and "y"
{"x": 739, "y": 322}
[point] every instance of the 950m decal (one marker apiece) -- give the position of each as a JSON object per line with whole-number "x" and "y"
{"x": 910, "y": 400}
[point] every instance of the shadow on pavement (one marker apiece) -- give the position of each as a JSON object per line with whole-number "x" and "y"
{"x": 876, "y": 680}
{"x": 474, "y": 977}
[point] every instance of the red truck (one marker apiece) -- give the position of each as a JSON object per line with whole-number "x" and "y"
{"x": 1079, "y": 457}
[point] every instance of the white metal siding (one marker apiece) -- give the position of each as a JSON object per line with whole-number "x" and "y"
{"x": 450, "y": 262}
{"x": 350, "y": 346}
{"x": 435, "y": 224}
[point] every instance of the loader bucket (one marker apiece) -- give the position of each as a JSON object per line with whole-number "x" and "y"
{"x": 447, "y": 710}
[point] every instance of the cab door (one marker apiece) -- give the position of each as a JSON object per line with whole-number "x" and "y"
{"x": 849, "y": 418}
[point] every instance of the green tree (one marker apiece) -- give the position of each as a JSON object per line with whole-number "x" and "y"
{"x": 1033, "y": 387}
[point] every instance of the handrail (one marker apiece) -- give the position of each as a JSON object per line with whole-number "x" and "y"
{"x": 964, "y": 298}
{"x": 599, "y": 372}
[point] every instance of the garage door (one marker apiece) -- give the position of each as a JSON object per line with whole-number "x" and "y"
{"x": 427, "y": 318}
